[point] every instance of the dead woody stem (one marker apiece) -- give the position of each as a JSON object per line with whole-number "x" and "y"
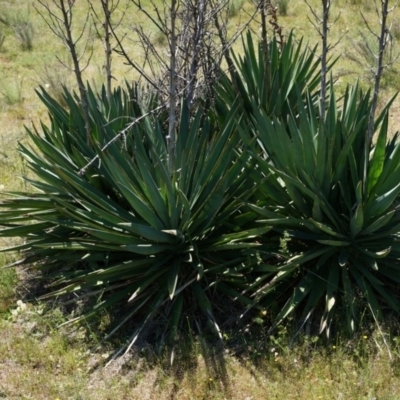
{"x": 172, "y": 91}
{"x": 60, "y": 22}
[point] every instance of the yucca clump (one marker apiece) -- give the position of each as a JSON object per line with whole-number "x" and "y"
{"x": 108, "y": 219}
{"x": 335, "y": 199}
{"x": 330, "y": 194}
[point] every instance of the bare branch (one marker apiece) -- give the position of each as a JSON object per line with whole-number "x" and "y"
{"x": 61, "y": 26}
{"x": 367, "y": 25}
{"x": 326, "y": 5}
{"x": 322, "y": 26}
{"x": 264, "y": 40}
{"x": 383, "y": 41}
{"x": 158, "y": 22}
{"x": 108, "y": 7}
{"x": 120, "y": 134}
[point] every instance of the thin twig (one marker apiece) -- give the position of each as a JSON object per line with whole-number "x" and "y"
{"x": 116, "y": 137}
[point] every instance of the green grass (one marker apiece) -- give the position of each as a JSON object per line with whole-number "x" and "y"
{"x": 8, "y": 281}
{"x": 40, "y": 361}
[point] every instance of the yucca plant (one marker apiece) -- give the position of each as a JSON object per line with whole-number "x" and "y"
{"x": 150, "y": 245}
{"x": 337, "y": 213}
{"x": 271, "y": 80}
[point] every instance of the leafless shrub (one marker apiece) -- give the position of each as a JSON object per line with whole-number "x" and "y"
{"x": 201, "y": 44}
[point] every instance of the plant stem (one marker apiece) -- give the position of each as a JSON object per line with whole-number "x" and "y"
{"x": 326, "y": 5}
{"x": 264, "y": 42}
{"x": 380, "y": 67}
{"x": 171, "y": 139}
{"x": 107, "y": 45}
{"x": 67, "y": 19}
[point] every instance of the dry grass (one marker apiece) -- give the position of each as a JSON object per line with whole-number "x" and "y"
{"x": 39, "y": 361}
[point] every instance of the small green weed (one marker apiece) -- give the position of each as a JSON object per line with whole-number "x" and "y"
{"x": 234, "y": 7}
{"x": 283, "y": 6}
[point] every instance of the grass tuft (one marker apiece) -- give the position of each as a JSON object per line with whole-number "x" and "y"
{"x": 11, "y": 92}
{"x": 365, "y": 52}
{"x": 2, "y": 38}
{"x": 283, "y": 7}
{"x": 8, "y": 281}
{"x": 20, "y": 24}
{"x": 54, "y": 79}
{"x": 234, "y": 7}
{"x": 25, "y": 34}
